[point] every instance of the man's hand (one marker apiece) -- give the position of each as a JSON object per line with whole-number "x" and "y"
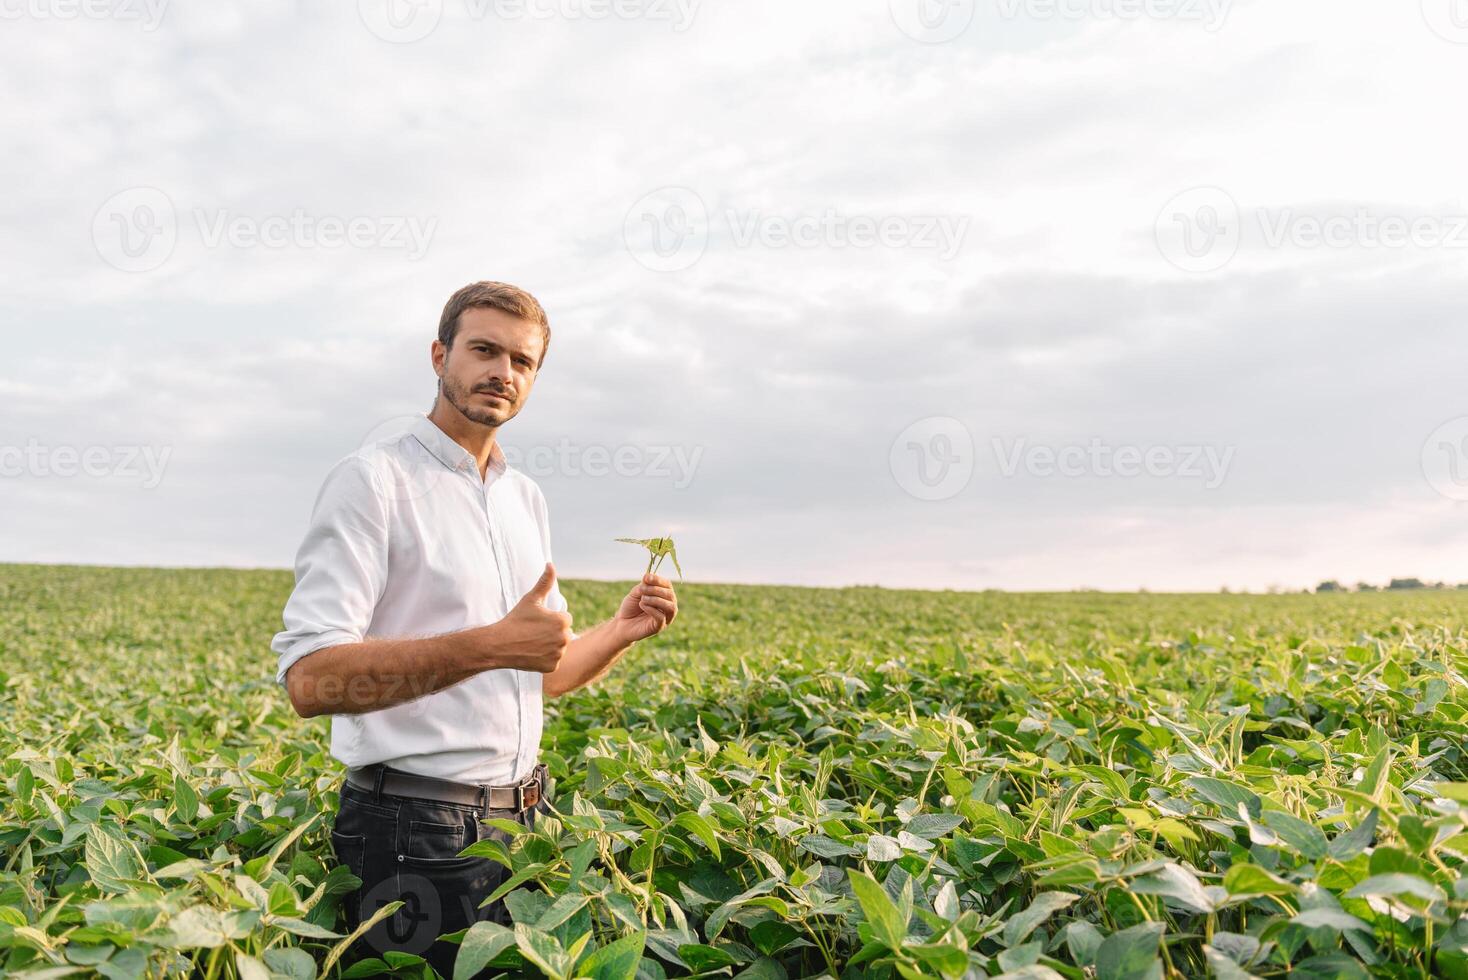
{"x": 531, "y": 637}
{"x": 650, "y": 606}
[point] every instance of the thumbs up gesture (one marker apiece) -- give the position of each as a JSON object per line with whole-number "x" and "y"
{"x": 532, "y": 637}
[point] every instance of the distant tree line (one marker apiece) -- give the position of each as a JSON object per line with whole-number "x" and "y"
{"x": 1396, "y": 584}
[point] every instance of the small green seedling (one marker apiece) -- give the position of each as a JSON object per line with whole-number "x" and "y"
{"x": 658, "y": 549}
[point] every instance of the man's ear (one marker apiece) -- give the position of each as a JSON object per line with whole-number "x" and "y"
{"x": 437, "y": 354}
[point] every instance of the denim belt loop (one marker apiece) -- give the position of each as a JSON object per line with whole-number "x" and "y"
{"x": 377, "y": 784}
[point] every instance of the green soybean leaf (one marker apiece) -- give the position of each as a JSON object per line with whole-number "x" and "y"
{"x": 1175, "y": 882}
{"x": 1355, "y": 841}
{"x": 1397, "y": 884}
{"x": 1225, "y": 795}
{"x": 887, "y": 922}
{"x": 614, "y": 961}
{"x": 481, "y": 943}
{"x": 1130, "y": 954}
{"x": 1303, "y": 837}
{"x": 1045, "y": 904}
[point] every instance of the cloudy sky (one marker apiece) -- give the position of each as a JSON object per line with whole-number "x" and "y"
{"x": 1022, "y": 294}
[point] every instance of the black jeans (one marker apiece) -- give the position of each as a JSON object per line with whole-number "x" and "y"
{"x": 405, "y": 848}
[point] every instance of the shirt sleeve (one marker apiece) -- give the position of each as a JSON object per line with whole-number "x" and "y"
{"x": 341, "y": 567}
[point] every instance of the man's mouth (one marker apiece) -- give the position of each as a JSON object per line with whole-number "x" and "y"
{"x": 494, "y": 394}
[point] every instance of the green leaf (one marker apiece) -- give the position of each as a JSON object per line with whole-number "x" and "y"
{"x": 1224, "y": 968}
{"x": 614, "y": 961}
{"x": 887, "y": 922}
{"x": 198, "y": 926}
{"x": 292, "y": 962}
{"x": 300, "y": 927}
{"x": 1224, "y": 794}
{"x": 1251, "y": 879}
{"x": 1329, "y": 966}
{"x": 1397, "y": 884}
{"x": 1083, "y": 940}
{"x": 1355, "y": 841}
{"x": 1376, "y": 774}
{"x": 185, "y": 800}
{"x": 701, "y": 958}
{"x": 543, "y": 950}
{"x": 560, "y": 910}
{"x": 701, "y": 828}
{"x": 1175, "y": 882}
{"x": 112, "y": 861}
{"x": 931, "y": 826}
{"x": 250, "y": 968}
{"x": 880, "y": 847}
{"x": 481, "y": 943}
{"x": 1044, "y": 905}
{"x": 947, "y": 960}
{"x": 1329, "y": 918}
{"x": 1130, "y": 954}
{"x": 1303, "y": 837}
{"x": 772, "y": 935}
{"x": 825, "y": 847}
{"x": 658, "y": 548}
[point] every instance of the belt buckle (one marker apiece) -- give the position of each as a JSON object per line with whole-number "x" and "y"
{"x": 519, "y": 797}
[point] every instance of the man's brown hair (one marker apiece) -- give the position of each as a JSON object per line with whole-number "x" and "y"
{"x": 496, "y": 296}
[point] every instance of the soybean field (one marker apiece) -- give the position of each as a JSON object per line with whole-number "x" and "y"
{"x": 787, "y": 783}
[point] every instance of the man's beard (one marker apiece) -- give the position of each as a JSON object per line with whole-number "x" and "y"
{"x": 459, "y": 397}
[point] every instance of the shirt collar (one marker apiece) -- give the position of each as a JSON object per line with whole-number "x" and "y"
{"x": 450, "y": 453}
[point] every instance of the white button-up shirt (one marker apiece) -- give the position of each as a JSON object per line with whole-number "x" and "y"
{"x": 406, "y": 540}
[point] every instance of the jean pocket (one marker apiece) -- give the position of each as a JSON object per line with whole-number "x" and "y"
{"x": 434, "y": 841}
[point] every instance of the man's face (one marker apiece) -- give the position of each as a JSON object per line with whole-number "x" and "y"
{"x": 494, "y": 354}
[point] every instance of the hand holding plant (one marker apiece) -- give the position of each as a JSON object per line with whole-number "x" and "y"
{"x": 652, "y": 604}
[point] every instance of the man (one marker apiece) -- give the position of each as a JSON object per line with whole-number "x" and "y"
{"x": 426, "y": 619}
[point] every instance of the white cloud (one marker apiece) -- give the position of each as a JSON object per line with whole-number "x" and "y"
{"x": 524, "y": 143}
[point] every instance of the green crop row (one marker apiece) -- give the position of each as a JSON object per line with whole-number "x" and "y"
{"x": 853, "y": 783}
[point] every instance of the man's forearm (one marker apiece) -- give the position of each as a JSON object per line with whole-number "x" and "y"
{"x": 352, "y": 678}
{"x": 587, "y": 659}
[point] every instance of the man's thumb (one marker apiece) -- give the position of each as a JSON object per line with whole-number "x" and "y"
{"x": 543, "y": 585}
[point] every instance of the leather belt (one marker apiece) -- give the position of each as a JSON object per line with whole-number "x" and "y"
{"x": 517, "y": 797}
